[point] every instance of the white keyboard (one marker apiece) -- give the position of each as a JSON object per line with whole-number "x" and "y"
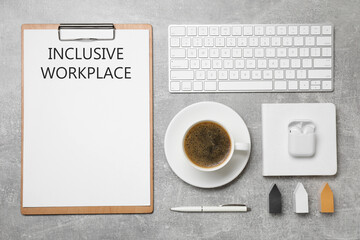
{"x": 251, "y": 58}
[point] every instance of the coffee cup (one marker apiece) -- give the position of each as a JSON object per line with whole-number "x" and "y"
{"x": 208, "y": 145}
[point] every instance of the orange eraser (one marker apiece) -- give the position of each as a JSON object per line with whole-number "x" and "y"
{"x": 326, "y": 199}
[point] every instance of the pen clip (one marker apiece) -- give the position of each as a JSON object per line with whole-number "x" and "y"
{"x": 233, "y": 205}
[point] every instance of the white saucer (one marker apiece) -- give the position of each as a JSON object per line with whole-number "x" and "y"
{"x": 176, "y": 156}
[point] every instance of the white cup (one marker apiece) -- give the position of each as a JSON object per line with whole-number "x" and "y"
{"x": 234, "y": 146}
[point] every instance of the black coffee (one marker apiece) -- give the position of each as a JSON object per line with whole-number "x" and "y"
{"x": 207, "y": 144}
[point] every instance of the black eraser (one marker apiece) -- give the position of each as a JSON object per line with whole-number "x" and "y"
{"x": 275, "y": 200}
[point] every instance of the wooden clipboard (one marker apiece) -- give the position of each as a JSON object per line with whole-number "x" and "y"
{"x": 89, "y": 209}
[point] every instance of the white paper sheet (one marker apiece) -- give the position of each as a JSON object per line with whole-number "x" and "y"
{"x": 86, "y": 142}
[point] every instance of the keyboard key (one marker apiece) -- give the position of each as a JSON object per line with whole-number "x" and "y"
{"x": 175, "y": 42}
{"x": 326, "y": 52}
{"x": 236, "y": 31}
{"x": 200, "y": 75}
{"x": 186, "y": 42}
{"x": 304, "y": 84}
{"x": 210, "y": 86}
{"x": 179, "y": 63}
{"x": 228, "y": 63}
{"x": 293, "y": 30}
{"x": 205, "y": 63}
{"x": 295, "y": 63}
{"x": 225, "y": 31}
{"x": 214, "y": 31}
{"x": 230, "y": 42}
{"x": 284, "y": 63}
{"x": 191, "y": 31}
{"x": 323, "y": 41}
{"x": 234, "y": 75}
{"x": 304, "y": 52}
{"x": 293, "y": 85}
{"x": 214, "y": 53}
{"x": 177, "y": 31}
{"x": 203, "y": 53}
{"x": 304, "y": 30}
{"x": 262, "y": 63}
{"x": 211, "y": 75}
{"x": 275, "y": 41}
{"x": 186, "y": 86}
{"x": 298, "y": 41}
{"x": 236, "y": 53}
{"x": 264, "y": 41}
{"x": 242, "y": 42}
{"x": 177, "y": 53}
{"x": 307, "y": 63}
{"x": 197, "y": 42}
{"x": 270, "y": 52}
{"x": 300, "y": 74}
{"x": 326, "y": 30}
{"x": 309, "y": 41}
{"x": 290, "y": 74}
{"x": 248, "y": 52}
{"x": 209, "y": 42}
{"x": 248, "y": 31}
{"x": 268, "y": 74}
{"x": 319, "y": 74}
{"x": 253, "y": 42}
{"x": 280, "y": 85}
{"x": 281, "y": 30}
{"x": 279, "y": 74}
{"x": 195, "y": 63}
{"x": 273, "y": 63}
{"x": 217, "y": 64}
{"x": 327, "y": 85}
{"x": 315, "y": 30}
{"x": 203, "y": 31}
{"x": 239, "y": 63}
{"x": 245, "y": 85}
{"x": 220, "y": 42}
{"x": 250, "y": 64}
{"x": 225, "y": 53}
{"x": 322, "y": 63}
{"x": 245, "y": 75}
{"x": 198, "y": 86}
{"x": 192, "y": 53}
{"x": 270, "y": 30}
{"x": 223, "y": 75}
{"x": 315, "y": 52}
{"x": 175, "y": 86}
{"x": 256, "y": 75}
{"x": 287, "y": 41}
{"x": 314, "y": 87}
{"x": 259, "y": 30}
{"x": 180, "y": 75}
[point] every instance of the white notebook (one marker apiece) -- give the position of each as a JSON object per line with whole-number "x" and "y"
{"x": 86, "y": 136}
{"x": 276, "y": 158}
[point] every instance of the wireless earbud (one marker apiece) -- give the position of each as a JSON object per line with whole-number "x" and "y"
{"x": 295, "y": 129}
{"x": 309, "y": 129}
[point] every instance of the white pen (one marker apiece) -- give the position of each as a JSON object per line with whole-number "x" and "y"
{"x": 221, "y": 208}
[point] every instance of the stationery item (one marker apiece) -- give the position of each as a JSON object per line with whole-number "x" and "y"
{"x": 251, "y": 58}
{"x": 301, "y": 201}
{"x": 221, "y": 208}
{"x": 287, "y": 153}
{"x": 87, "y": 133}
{"x": 275, "y": 205}
{"x": 326, "y": 199}
{"x": 209, "y": 146}
{"x": 174, "y": 137}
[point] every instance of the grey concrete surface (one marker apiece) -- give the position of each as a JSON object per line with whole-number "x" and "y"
{"x": 170, "y": 191}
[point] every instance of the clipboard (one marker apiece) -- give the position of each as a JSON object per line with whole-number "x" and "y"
{"x": 110, "y": 36}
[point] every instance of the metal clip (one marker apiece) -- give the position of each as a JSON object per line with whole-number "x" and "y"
{"x": 86, "y": 26}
